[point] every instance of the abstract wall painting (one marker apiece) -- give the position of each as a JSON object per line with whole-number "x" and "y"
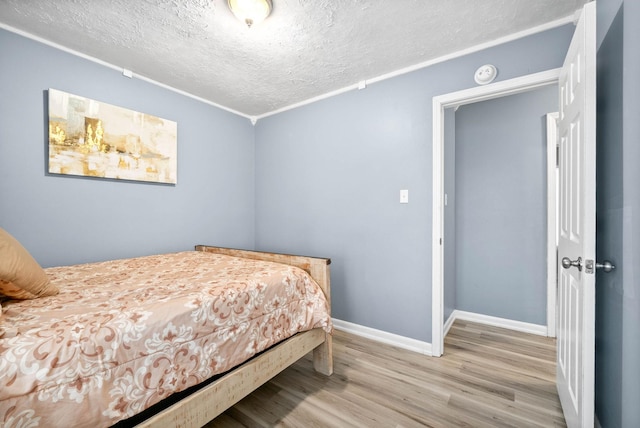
{"x": 95, "y": 139}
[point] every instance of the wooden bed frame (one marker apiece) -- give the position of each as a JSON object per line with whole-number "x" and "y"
{"x": 207, "y": 403}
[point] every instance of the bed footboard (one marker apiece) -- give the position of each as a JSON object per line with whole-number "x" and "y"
{"x": 319, "y": 270}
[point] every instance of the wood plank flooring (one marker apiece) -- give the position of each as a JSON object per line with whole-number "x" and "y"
{"x": 488, "y": 377}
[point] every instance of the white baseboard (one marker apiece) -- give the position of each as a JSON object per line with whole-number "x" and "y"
{"x": 449, "y": 323}
{"x": 425, "y": 347}
{"x": 525, "y": 327}
{"x": 384, "y": 337}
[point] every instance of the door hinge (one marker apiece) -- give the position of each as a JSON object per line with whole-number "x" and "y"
{"x": 440, "y": 241}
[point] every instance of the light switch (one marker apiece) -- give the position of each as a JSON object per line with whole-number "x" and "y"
{"x": 404, "y": 196}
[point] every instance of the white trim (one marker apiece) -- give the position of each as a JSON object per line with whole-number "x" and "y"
{"x": 437, "y": 232}
{"x": 311, "y": 100}
{"x": 359, "y": 85}
{"x": 552, "y": 273}
{"x": 449, "y": 323}
{"x": 531, "y": 31}
{"x": 384, "y": 337}
{"x": 455, "y": 99}
{"x": 126, "y": 72}
{"x": 524, "y": 327}
{"x": 482, "y": 46}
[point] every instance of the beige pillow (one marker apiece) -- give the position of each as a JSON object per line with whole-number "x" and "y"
{"x": 8, "y": 289}
{"x": 20, "y": 275}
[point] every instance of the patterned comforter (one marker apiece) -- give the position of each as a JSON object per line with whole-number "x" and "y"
{"x": 122, "y": 335}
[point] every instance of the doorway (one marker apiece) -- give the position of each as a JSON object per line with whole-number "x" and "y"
{"x": 495, "y": 238}
{"x": 440, "y": 106}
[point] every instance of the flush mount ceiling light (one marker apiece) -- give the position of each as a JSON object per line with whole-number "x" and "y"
{"x": 250, "y": 11}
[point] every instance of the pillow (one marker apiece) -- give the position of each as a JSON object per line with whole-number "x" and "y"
{"x": 8, "y": 289}
{"x": 21, "y": 277}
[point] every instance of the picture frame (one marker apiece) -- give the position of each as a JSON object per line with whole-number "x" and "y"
{"x": 95, "y": 139}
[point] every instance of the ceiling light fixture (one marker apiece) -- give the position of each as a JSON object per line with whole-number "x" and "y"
{"x": 250, "y": 11}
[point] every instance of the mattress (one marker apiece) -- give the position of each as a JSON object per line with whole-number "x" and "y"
{"x": 123, "y": 335}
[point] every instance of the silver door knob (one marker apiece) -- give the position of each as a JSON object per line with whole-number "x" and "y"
{"x": 567, "y": 263}
{"x": 606, "y": 266}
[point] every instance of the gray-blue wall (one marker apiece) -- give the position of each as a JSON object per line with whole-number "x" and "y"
{"x": 65, "y": 220}
{"x": 501, "y": 210}
{"x": 618, "y": 209}
{"x": 328, "y": 177}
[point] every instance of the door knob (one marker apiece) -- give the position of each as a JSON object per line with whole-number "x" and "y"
{"x": 567, "y": 263}
{"x": 606, "y": 266}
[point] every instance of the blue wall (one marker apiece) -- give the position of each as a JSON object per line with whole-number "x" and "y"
{"x": 501, "y": 169}
{"x": 328, "y": 177}
{"x": 65, "y": 220}
{"x": 618, "y": 208}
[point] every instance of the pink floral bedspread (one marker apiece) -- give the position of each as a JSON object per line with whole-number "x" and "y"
{"x": 122, "y": 335}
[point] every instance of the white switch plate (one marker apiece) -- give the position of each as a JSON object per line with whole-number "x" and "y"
{"x": 404, "y": 196}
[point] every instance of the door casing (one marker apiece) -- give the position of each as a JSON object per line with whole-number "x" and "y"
{"x": 453, "y": 100}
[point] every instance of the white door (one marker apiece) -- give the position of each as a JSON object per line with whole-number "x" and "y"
{"x": 576, "y": 282}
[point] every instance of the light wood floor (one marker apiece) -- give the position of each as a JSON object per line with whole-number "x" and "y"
{"x": 488, "y": 377}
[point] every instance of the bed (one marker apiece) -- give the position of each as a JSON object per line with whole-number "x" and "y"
{"x": 208, "y": 326}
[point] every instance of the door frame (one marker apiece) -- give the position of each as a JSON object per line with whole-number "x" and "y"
{"x": 552, "y": 222}
{"x": 454, "y": 100}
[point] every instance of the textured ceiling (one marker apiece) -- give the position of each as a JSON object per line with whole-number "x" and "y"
{"x": 305, "y": 49}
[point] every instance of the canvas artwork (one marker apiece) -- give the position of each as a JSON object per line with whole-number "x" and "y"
{"x": 95, "y": 139}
